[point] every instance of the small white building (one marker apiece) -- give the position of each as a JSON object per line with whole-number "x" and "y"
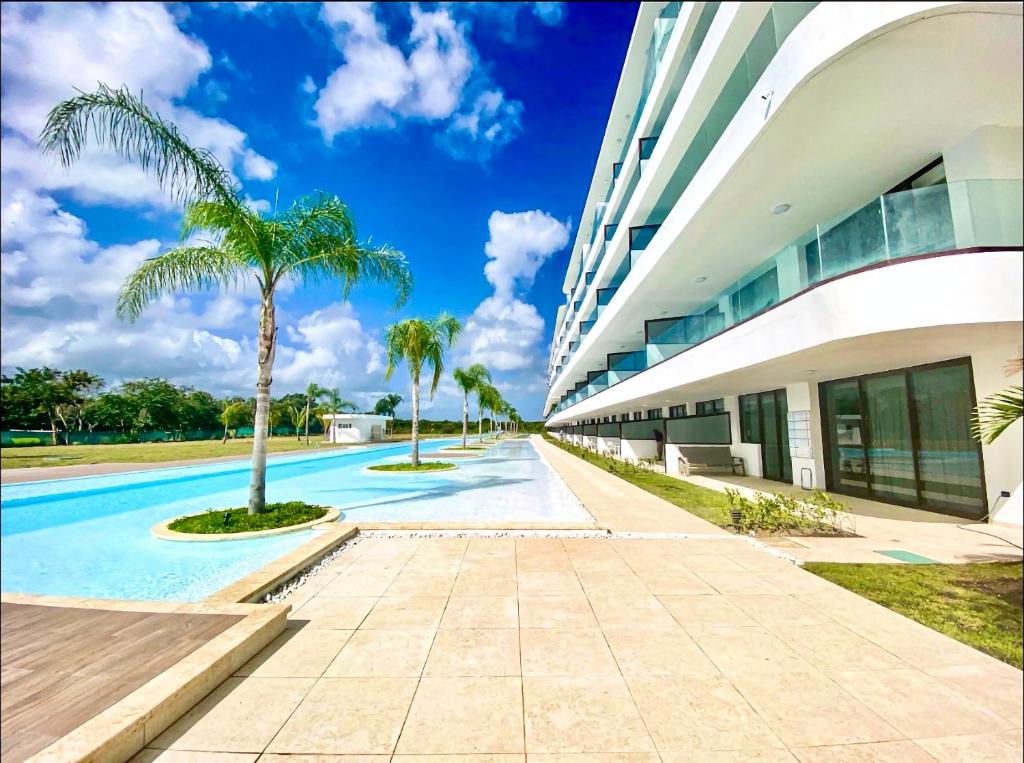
{"x": 355, "y": 427}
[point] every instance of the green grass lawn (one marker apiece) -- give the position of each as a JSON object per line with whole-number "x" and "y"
{"x": 142, "y": 453}
{"x": 978, "y": 604}
{"x": 239, "y": 520}
{"x": 702, "y": 502}
{"x": 424, "y": 466}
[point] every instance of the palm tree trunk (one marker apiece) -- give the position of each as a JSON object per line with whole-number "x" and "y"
{"x": 465, "y": 418}
{"x": 415, "y": 419}
{"x": 265, "y": 363}
{"x": 480, "y": 423}
{"x": 307, "y": 419}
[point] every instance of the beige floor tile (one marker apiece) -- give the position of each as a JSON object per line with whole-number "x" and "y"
{"x": 332, "y": 612}
{"x": 601, "y": 583}
{"x": 348, "y": 716}
{"x": 899, "y": 751}
{"x": 406, "y": 612}
{"x": 698, "y": 713}
{"x": 749, "y": 649}
{"x": 674, "y": 583}
{"x": 554, "y": 562}
{"x": 917, "y": 704}
{"x": 810, "y": 710}
{"x": 589, "y": 715}
{"x": 549, "y": 584}
{"x": 833, "y": 646}
{"x": 367, "y": 584}
{"x": 474, "y": 652}
{"x": 566, "y": 652}
{"x": 485, "y": 583}
{"x": 657, "y": 652}
{"x": 756, "y": 560}
{"x": 992, "y": 686}
{"x": 997, "y": 747}
{"x": 596, "y": 757}
{"x": 694, "y": 612}
{"x": 556, "y": 612}
{"x": 274, "y": 758}
{"x": 631, "y": 611}
{"x": 297, "y": 653}
{"x": 729, "y": 756}
{"x": 450, "y": 716}
{"x": 421, "y": 585}
{"x": 779, "y": 609}
{"x": 739, "y": 582}
{"x": 709, "y": 563}
{"x": 189, "y": 756}
{"x": 240, "y": 715}
{"x": 498, "y": 758}
{"x": 383, "y": 653}
{"x": 799, "y": 582}
{"x": 480, "y": 612}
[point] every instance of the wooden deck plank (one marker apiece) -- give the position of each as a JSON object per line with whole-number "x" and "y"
{"x": 61, "y": 666}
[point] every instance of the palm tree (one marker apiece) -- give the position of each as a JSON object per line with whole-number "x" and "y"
{"x": 387, "y": 405}
{"x": 490, "y": 400}
{"x": 313, "y": 240}
{"x": 314, "y": 393}
{"x": 335, "y": 404}
{"x": 418, "y": 341}
{"x": 468, "y": 380}
{"x": 296, "y": 416}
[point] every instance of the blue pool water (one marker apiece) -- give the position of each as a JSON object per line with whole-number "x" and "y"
{"x": 91, "y": 536}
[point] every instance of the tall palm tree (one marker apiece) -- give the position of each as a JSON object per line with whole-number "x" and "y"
{"x": 418, "y": 341}
{"x": 468, "y": 379}
{"x": 314, "y": 394}
{"x": 335, "y": 404}
{"x": 313, "y": 240}
{"x": 489, "y": 399}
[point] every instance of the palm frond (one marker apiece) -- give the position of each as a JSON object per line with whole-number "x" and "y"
{"x": 241, "y": 229}
{"x": 996, "y": 413}
{"x": 120, "y": 120}
{"x": 318, "y": 243}
{"x": 186, "y": 268}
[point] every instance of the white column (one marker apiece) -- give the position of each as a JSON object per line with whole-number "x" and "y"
{"x": 804, "y": 447}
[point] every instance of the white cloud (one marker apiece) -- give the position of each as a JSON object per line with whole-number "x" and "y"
{"x": 308, "y": 85}
{"x": 520, "y": 242}
{"x": 550, "y": 14}
{"x": 506, "y": 333}
{"x": 440, "y": 80}
{"x": 50, "y": 49}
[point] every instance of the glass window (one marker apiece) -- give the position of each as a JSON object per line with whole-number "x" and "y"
{"x": 677, "y": 411}
{"x": 637, "y": 415}
{"x": 890, "y": 447}
{"x": 710, "y": 406}
{"x": 654, "y": 413}
{"x": 948, "y": 462}
{"x": 750, "y": 419}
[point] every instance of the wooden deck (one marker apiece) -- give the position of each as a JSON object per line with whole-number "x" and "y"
{"x": 60, "y": 666}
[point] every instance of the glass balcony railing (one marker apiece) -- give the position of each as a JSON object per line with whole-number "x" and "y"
{"x": 646, "y": 148}
{"x": 964, "y": 214}
{"x": 639, "y": 237}
{"x": 585, "y": 327}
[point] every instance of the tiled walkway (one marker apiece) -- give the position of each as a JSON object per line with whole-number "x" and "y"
{"x": 502, "y": 649}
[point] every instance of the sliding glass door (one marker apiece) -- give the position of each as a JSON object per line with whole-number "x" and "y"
{"x": 903, "y": 437}
{"x": 763, "y": 419}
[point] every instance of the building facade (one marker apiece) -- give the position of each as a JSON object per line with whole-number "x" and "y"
{"x": 803, "y": 244}
{"x": 355, "y": 427}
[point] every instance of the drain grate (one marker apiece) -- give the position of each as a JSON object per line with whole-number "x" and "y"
{"x": 906, "y": 556}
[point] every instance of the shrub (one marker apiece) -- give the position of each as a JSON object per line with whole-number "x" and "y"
{"x": 776, "y": 512}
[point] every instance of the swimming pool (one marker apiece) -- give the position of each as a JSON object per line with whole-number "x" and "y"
{"x": 90, "y": 536}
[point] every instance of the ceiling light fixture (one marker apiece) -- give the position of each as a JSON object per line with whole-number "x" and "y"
{"x": 700, "y": 279}
{"x": 780, "y": 209}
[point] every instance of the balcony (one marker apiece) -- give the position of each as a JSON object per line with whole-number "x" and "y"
{"x": 962, "y": 215}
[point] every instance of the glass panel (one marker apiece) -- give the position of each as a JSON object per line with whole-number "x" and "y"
{"x": 995, "y": 213}
{"x": 757, "y": 295}
{"x": 845, "y": 423}
{"x": 949, "y": 464}
{"x": 853, "y": 242}
{"x": 771, "y": 466}
{"x": 641, "y": 236}
{"x": 782, "y": 411}
{"x": 891, "y": 446}
{"x": 750, "y": 419}
{"x": 918, "y": 221}
{"x": 700, "y": 430}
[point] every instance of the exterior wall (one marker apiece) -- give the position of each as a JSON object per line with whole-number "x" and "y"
{"x": 1004, "y": 457}
{"x": 359, "y": 429}
{"x": 637, "y": 449}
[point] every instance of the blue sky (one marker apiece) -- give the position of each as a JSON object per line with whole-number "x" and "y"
{"x": 463, "y": 134}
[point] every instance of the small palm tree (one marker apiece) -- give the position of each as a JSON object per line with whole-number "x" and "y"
{"x": 387, "y": 405}
{"x": 296, "y": 416}
{"x": 314, "y": 394}
{"x": 335, "y": 405}
{"x": 468, "y": 379}
{"x": 418, "y": 341}
{"x": 489, "y": 400}
{"x": 314, "y": 240}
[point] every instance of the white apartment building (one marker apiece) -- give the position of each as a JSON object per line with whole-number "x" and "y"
{"x": 803, "y": 243}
